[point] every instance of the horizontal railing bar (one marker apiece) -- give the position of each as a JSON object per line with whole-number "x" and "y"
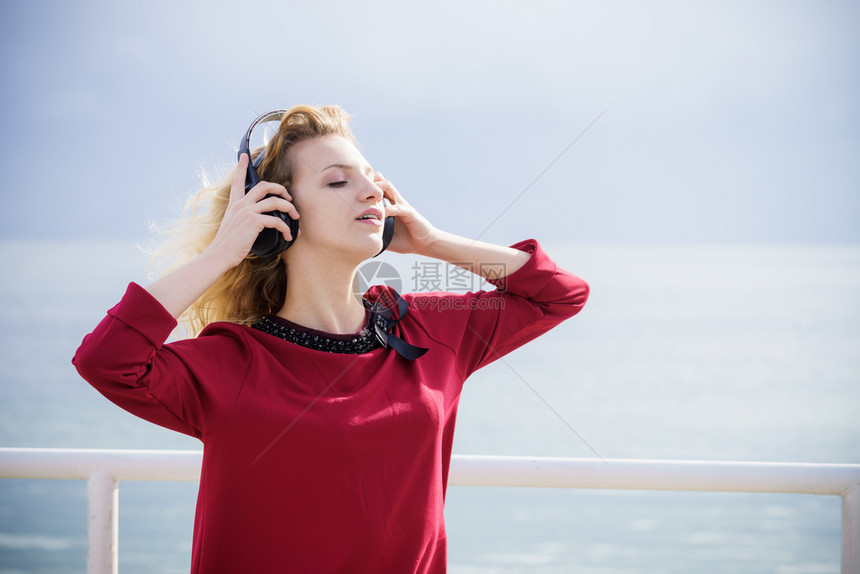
{"x": 470, "y": 470}
{"x": 167, "y": 465}
{"x": 643, "y": 474}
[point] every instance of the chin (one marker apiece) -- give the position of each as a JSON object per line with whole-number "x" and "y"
{"x": 374, "y": 250}
{"x": 360, "y": 249}
{"x": 365, "y": 248}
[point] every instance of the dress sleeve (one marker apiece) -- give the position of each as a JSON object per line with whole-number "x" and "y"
{"x": 186, "y": 386}
{"x": 482, "y": 327}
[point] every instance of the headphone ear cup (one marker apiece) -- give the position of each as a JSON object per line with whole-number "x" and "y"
{"x": 270, "y": 241}
{"x": 387, "y": 232}
{"x": 387, "y": 229}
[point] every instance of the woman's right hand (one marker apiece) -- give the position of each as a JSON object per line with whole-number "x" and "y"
{"x": 243, "y": 220}
{"x": 247, "y": 215}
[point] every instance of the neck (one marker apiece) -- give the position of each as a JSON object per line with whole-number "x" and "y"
{"x": 320, "y": 296}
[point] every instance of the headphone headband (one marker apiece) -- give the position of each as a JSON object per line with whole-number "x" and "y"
{"x": 245, "y": 144}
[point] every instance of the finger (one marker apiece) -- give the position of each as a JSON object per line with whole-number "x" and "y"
{"x": 391, "y": 192}
{"x": 274, "y": 203}
{"x": 265, "y": 188}
{"x": 278, "y": 223}
{"x": 396, "y": 210}
{"x": 237, "y": 186}
{"x": 381, "y": 182}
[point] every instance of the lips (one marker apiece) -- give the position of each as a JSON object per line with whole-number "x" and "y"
{"x": 372, "y": 215}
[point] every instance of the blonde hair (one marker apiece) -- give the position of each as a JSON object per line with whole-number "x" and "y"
{"x": 257, "y": 286}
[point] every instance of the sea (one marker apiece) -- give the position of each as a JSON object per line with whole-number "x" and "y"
{"x": 684, "y": 352}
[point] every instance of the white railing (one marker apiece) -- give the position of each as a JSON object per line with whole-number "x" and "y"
{"x": 102, "y": 469}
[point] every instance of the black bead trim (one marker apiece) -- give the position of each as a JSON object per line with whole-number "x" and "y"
{"x": 364, "y": 341}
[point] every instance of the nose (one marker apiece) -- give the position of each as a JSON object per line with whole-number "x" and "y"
{"x": 371, "y": 190}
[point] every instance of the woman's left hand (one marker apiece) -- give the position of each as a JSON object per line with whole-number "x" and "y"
{"x": 412, "y": 232}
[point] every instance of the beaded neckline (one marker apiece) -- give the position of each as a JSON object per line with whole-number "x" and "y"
{"x": 363, "y": 341}
{"x": 377, "y": 331}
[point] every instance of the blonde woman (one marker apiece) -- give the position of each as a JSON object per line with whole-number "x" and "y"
{"x": 327, "y": 419}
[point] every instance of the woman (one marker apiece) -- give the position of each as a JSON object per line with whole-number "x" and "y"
{"x": 327, "y": 428}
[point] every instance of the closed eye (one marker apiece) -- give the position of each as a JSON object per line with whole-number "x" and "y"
{"x": 337, "y": 184}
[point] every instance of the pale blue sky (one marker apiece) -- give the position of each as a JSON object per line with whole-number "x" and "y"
{"x": 725, "y": 121}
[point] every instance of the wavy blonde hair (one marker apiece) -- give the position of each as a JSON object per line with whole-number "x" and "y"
{"x": 257, "y": 286}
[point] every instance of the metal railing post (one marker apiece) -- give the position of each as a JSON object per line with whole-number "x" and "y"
{"x": 102, "y": 523}
{"x": 851, "y": 530}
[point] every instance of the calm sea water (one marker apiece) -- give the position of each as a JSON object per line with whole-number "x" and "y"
{"x": 683, "y": 352}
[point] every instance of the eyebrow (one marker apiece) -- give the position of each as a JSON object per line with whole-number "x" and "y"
{"x": 367, "y": 169}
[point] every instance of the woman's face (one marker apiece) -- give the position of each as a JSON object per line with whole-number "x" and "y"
{"x": 340, "y": 207}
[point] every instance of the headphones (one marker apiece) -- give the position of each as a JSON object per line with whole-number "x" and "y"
{"x": 270, "y": 241}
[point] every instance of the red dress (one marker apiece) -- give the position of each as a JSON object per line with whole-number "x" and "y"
{"x": 314, "y": 461}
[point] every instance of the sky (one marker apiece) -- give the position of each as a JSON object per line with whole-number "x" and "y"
{"x": 640, "y": 121}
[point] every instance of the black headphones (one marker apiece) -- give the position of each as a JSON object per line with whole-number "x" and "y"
{"x": 271, "y": 242}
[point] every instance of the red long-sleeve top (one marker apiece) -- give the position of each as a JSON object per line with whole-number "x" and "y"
{"x": 313, "y": 461}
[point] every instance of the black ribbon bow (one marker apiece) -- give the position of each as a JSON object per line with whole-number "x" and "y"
{"x": 385, "y": 323}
